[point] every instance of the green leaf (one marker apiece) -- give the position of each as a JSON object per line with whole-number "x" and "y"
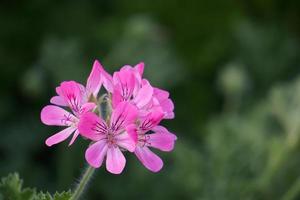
{"x": 56, "y": 196}
{"x": 11, "y": 189}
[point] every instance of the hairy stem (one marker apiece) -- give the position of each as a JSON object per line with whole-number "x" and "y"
{"x": 88, "y": 173}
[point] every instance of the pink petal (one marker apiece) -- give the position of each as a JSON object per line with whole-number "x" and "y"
{"x": 53, "y": 115}
{"x": 125, "y": 141}
{"x": 115, "y": 160}
{"x": 75, "y": 135}
{"x": 152, "y": 119}
{"x": 162, "y": 139}
{"x": 94, "y": 81}
{"x": 144, "y": 96}
{"x": 59, "y": 137}
{"x": 95, "y": 153}
{"x": 132, "y": 132}
{"x": 71, "y": 92}
{"x": 140, "y": 68}
{"x": 150, "y": 160}
{"x": 125, "y": 82}
{"x": 57, "y": 100}
{"x": 92, "y": 127}
{"x": 106, "y": 79}
{"x": 123, "y": 115}
{"x": 88, "y": 107}
{"x": 168, "y": 107}
{"x": 160, "y": 94}
{"x": 116, "y": 97}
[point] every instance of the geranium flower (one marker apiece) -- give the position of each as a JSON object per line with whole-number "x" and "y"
{"x": 149, "y": 134}
{"x": 74, "y": 96}
{"x": 109, "y": 137}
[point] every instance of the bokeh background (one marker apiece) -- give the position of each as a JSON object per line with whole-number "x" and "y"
{"x": 232, "y": 68}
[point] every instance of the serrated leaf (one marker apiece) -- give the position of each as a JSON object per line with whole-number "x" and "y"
{"x": 11, "y": 189}
{"x": 62, "y": 196}
{"x": 56, "y": 196}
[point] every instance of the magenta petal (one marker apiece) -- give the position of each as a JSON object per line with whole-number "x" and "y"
{"x": 88, "y": 107}
{"x": 94, "y": 81}
{"x": 92, "y": 127}
{"x": 123, "y": 115}
{"x": 152, "y": 119}
{"x": 57, "y": 100}
{"x": 116, "y": 97}
{"x": 125, "y": 81}
{"x": 144, "y": 96}
{"x": 59, "y": 137}
{"x": 115, "y": 160}
{"x": 160, "y": 94}
{"x": 75, "y": 135}
{"x": 125, "y": 141}
{"x": 132, "y": 132}
{"x": 95, "y": 153}
{"x": 72, "y": 93}
{"x": 53, "y": 115}
{"x": 106, "y": 79}
{"x": 168, "y": 107}
{"x": 140, "y": 68}
{"x": 162, "y": 139}
{"x": 150, "y": 160}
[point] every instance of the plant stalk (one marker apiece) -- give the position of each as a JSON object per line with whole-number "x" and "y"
{"x": 88, "y": 173}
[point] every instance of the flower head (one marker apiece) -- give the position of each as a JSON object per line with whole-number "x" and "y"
{"x": 135, "y": 109}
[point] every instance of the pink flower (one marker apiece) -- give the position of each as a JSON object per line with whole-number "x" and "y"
{"x": 128, "y": 85}
{"x": 161, "y": 99}
{"x": 75, "y": 96}
{"x": 160, "y": 139}
{"x": 110, "y": 138}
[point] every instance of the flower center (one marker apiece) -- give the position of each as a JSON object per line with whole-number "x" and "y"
{"x": 111, "y": 141}
{"x": 143, "y": 140}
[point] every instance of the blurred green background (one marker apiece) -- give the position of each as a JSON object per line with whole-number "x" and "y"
{"x": 232, "y": 68}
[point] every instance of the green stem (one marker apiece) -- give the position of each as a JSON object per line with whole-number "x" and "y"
{"x": 83, "y": 183}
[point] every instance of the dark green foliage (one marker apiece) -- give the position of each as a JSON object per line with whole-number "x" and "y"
{"x": 11, "y": 188}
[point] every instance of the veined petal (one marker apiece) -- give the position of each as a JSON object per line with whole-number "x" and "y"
{"x": 92, "y": 127}
{"x": 125, "y": 141}
{"x": 95, "y": 153}
{"x": 152, "y": 119}
{"x": 125, "y": 82}
{"x": 54, "y": 115}
{"x": 162, "y": 139}
{"x": 115, "y": 160}
{"x": 57, "y": 100}
{"x": 144, "y": 96}
{"x": 71, "y": 92}
{"x": 123, "y": 115}
{"x": 94, "y": 81}
{"x": 150, "y": 160}
{"x": 59, "y": 137}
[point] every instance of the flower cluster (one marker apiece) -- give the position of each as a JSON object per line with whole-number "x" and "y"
{"x": 135, "y": 109}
